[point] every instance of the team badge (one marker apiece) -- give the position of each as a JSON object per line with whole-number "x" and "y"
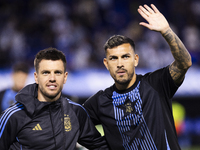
{"x": 67, "y": 123}
{"x": 129, "y": 109}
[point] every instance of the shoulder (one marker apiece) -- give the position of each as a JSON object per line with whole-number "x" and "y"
{"x": 75, "y": 107}
{"x": 155, "y": 78}
{"x": 156, "y": 75}
{"x": 14, "y": 109}
{"x": 160, "y": 80}
{"x": 93, "y": 101}
{"x": 102, "y": 93}
{"x": 13, "y": 114}
{"x": 158, "y": 71}
{"x": 101, "y": 99}
{"x": 96, "y": 95}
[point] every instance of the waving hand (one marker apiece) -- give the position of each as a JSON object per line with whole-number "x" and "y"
{"x": 156, "y": 20}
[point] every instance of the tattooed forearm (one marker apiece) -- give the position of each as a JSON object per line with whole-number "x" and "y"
{"x": 168, "y": 36}
{"x": 179, "y": 52}
{"x": 176, "y": 73}
{"x": 182, "y": 57}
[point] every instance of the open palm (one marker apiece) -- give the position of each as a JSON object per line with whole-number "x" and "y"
{"x": 156, "y": 20}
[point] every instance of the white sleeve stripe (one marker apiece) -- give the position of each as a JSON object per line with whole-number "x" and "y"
{"x": 8, "y": 112}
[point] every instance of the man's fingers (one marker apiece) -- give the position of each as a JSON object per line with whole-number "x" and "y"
{"x": 144, "y": 15}
{"x": 144, "y": 11}
{"x": 154, "y": 8}
{"x": 149, "y": 9}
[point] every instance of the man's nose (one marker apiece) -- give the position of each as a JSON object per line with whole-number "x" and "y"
{"x": 120, "y": 63}
{"x": 52, "y": 77}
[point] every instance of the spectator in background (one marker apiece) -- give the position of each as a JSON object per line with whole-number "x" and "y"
{"x": 20, "y": 73}
{"x": 63, "y": 24}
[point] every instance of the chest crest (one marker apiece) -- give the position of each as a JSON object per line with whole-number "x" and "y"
{"x": 67, "y": 123}
{"x": 129, "y": 108}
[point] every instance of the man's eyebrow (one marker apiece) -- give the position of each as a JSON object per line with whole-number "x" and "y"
{"x": 58, "y": 71}
{"x": 127, "y": 54}
{"x": 45, "y": 70}
{"x": 113, "y": 56}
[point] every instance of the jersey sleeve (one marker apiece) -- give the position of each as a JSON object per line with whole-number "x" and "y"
{"x": 91, "y": 106}
{"x": 89, "y": 136}
{"x": 162, "y": 82}
{"x": 8, "y": 127}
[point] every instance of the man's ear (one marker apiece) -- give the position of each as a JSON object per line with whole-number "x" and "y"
{"x": 105, "y": 63}
{"x": 36, "y": 77}
{"x": 65, "y": 77}
{"x": 136, "y": 60}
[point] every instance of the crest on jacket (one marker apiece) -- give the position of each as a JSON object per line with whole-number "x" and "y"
{"x": 67, "y": 123}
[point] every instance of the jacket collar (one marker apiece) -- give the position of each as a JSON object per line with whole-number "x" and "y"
{"x": 28, "y": 97}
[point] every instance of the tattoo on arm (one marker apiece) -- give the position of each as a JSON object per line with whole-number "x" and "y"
{"x": 176, "y": 74}
{"x": 182, "y": 57}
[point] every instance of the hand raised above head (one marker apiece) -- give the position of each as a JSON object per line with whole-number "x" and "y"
{"x": 156, "y": 20}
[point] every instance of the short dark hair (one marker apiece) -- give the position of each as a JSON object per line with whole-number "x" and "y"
{"x": 49, "y": 54}
{"x": 117, "y": 40}
{"x": 21, "y": 66}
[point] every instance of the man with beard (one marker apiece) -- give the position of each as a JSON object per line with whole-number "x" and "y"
{"x": 43, "y": 119}
{"x": 136, "y": 112}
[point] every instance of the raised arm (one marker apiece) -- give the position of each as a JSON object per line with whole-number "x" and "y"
{"x": 157, "y": 22}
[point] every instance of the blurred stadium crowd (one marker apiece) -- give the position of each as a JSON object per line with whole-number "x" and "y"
{"x": 80, "y": 28}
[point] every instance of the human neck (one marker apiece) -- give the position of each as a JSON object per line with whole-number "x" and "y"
{"x": 43, "y": 98}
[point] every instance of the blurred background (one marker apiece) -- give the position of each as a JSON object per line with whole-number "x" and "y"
{"x": 81, "y": 27}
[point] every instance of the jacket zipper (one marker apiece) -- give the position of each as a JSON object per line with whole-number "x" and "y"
{"x": 52, "y": 126}
{"x": 64, "y": 137}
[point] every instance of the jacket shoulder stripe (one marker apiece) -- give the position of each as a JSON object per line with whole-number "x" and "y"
{"x": 71, "y": 102}
{"x": 6, "y": 115}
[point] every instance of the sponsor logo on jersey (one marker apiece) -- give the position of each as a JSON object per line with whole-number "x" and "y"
{"x": 37, "y": 127}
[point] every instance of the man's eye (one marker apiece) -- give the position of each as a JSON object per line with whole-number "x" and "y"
{"x": 58, "y": 72}
{"x": 125, "y": 57}
{"x": 45, "y": 73}
{"x": 113, "y": 58}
